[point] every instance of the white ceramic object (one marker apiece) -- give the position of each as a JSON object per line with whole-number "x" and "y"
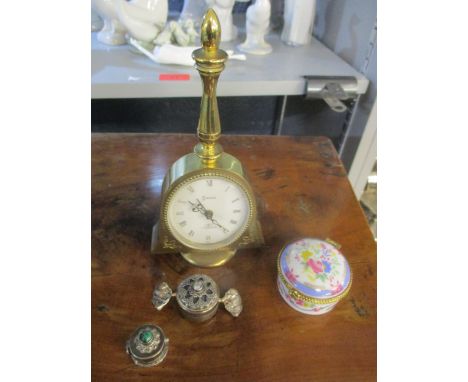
{"x": 256, "y": 25}
{"x": 113, "y": 32}
{"x": 299, "y": 16}
{"x": 180, "y": 36}
{"x": 313, "y": 275}
{"x": 144, "y": 19}
{"x": 193, "y": 10}
{"x": 165, "y": 37}
{"x": 96, "y": 21}
{"x": 189, "y": 27}
{"x": 223, "y": 9}
{"x": 177, "y": 55}
{"x": 172, "y": 54}
{"x": 180, "y": 32}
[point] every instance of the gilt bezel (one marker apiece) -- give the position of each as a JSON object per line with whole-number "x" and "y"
{"x": 200, "y": 174}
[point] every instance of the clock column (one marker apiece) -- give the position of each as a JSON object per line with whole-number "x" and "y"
{"x": 209, "y": 63}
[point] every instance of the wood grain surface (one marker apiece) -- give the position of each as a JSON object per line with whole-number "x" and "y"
{"x": 302, "y": 190}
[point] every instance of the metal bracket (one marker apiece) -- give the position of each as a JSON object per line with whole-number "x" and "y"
{"x": 332, "y": 90}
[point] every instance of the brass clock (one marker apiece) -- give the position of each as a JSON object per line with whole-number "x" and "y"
{"x": 208, "y": 209}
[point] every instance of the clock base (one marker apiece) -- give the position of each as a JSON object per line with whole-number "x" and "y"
{"x": 199, "y": 259}
{"x": 208, "y": 259}
{"x": 162, "y": 243}
{"x": 205, "y": 259}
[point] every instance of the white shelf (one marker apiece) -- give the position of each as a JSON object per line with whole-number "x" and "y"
{"x": 119, "y": 73}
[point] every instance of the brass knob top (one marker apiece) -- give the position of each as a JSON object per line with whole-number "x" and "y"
{"x": 210, "y": 31}
{"x": 210, "y": 54}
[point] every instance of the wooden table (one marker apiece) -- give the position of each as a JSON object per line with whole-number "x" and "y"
{"x": 303, "y": 191}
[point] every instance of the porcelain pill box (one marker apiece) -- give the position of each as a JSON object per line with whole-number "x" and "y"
{"x": 313, "y": 275}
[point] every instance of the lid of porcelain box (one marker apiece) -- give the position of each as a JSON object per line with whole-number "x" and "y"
{"x": 315, "y": 268}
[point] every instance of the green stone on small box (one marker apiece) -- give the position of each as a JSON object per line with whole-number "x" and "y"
{"x": 146, "y": 337}
{"x": 148, "y": 345}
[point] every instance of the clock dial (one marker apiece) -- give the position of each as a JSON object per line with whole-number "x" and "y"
{"x": 208, "y": 212}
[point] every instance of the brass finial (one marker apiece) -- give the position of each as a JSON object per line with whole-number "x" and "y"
{"x": 210, "y": 31}
{"x": 209, "y": 61}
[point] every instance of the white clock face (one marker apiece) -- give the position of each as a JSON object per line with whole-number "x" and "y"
{"x": 208, "y": 212}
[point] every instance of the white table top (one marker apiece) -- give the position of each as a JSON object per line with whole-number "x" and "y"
{"x": 119, "y": 73}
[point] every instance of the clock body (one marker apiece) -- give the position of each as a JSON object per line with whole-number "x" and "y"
{"x": 206, "y": 213}
{"x": 208, "y": 210}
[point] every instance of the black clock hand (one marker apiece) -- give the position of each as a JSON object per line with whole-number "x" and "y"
{"x": 207, "y": 213}
{"x": 197, "y": 207}
{"x": 219, "y": 225}
{"x": 200, "y": 207}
